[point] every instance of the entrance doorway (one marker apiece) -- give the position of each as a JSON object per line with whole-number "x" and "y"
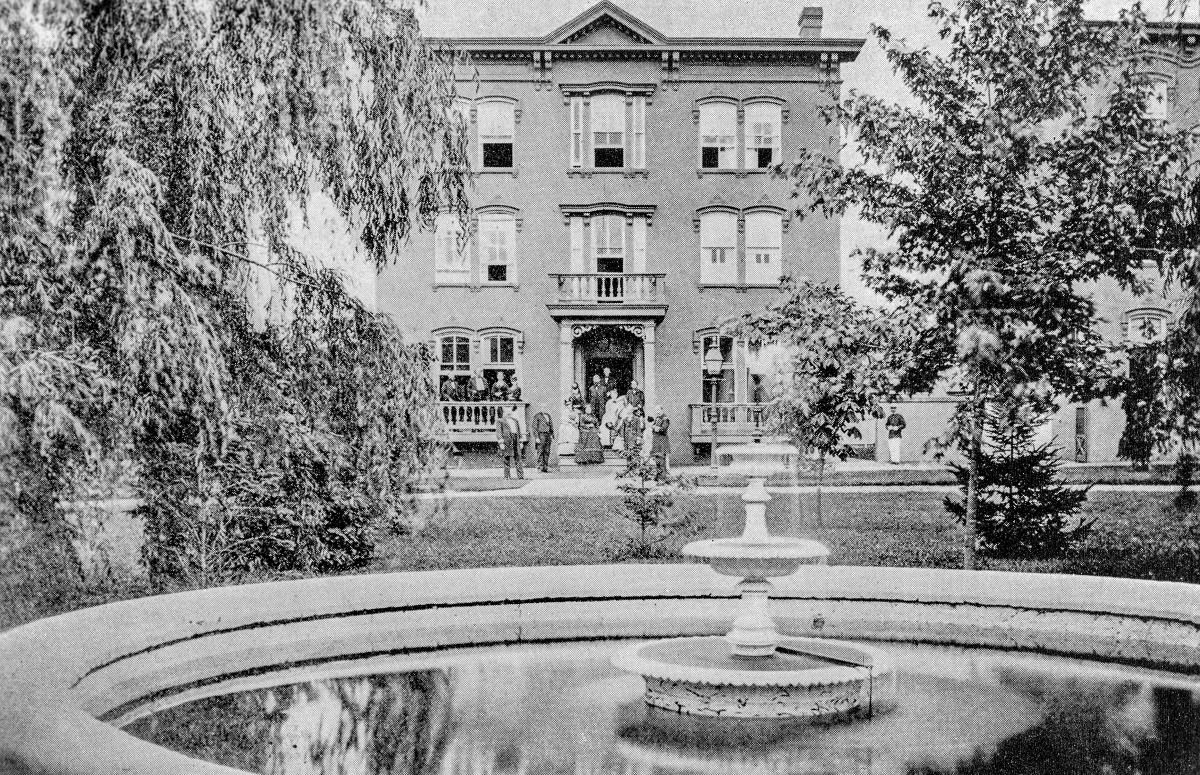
{"x": 608, "y": 347}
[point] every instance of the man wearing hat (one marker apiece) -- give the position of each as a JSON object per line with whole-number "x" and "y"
{"x": 543, "y": 436}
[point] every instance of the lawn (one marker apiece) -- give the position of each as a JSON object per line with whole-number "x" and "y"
{"x": 1136, "y": 534}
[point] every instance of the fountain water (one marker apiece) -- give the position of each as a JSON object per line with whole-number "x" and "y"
{"x": 754, "y": 672}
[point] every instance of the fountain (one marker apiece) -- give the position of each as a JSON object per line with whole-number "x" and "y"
{"x": 753, "y": 671}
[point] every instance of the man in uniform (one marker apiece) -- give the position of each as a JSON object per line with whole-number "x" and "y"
{"x": 543, "y": 436}
{"x": 895, "y": 429}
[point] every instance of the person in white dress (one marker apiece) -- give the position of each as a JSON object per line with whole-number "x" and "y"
{"x": 612, "y": 413}
{"x": 568, "y": 433}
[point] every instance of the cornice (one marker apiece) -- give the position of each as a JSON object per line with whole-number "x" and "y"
{"x": 698, "y": 49}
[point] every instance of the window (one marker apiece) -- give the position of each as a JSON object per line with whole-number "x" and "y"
{"x": 762, "y": 123}
{"x": 764, "y": 238}
{"x": 500, "y": 357}
{"x": 577, "y": 131}
{"x": 608, "y": 130}
{"x": 1143, "y": 326}
{"x": 718, "y": 248}
{"x": 718, "y": 127}
{"x": 454, "y": 367}
{"x": 608, "y": 242}
{"x": 497, "y": 247}
{"x": 1158, "y": 100}
{"x": 496, "y": 123}
{"x": 721, "y": 388}
{"x": 452, "y": 264}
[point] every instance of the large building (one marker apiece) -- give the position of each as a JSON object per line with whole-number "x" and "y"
{"x": 623, "y": 209}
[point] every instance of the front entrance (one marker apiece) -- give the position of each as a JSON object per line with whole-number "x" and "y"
{"x": 609, "y": 347}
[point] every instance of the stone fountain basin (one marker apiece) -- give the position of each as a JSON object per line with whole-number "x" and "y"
{"x": 766, "y": 558}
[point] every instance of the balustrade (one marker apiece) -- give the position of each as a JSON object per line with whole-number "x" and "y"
{"x": 476, "y": 420}
{"x": 734, "y": 421}
{"x": 610, "y": 288}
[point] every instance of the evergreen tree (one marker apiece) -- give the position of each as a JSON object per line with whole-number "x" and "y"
{"x": 1141, "y": 388}
{"x": 1024, "y": 509}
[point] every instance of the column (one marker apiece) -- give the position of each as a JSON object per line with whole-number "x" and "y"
{"x": 650, "y": 362}
{"x": 566, "y": 362}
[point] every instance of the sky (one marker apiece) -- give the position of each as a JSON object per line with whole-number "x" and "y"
{"x": 870, "y": 73}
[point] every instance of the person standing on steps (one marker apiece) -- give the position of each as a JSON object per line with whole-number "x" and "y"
{"x": 596, "y": 397}
{"x": 508, "y": 436}
{"x": 634, "y": 396}
{"x": 895, "y": 430}
{"x": 543, "y": 436}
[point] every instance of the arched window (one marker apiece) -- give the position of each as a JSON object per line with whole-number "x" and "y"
{"x": 718, "y": 130}
{"x": 454, "y": 366}
{"x": 718, "y": 248}
{"x": 763, "y": 122}
{"x": 608, "y": 130}
{"x": 497, "y": 122}
{"x": 452, "y": 262}
{"x": 764, "y": 241}
{"x": 497, "y": 247}
{"x": 1143, "y": 326}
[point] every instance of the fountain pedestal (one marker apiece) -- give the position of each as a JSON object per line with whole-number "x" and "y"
{"x": 753, "y": 671}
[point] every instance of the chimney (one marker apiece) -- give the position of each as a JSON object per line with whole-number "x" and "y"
{"x": 810, "y": 21}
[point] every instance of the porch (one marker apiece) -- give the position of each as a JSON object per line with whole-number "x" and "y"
{"x": 736, "y": 423}
{"x": 475, "y": 421}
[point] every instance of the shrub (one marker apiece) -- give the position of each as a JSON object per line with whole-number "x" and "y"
{"x": 652, "y": 529}
{"x": 1024, "y": 508}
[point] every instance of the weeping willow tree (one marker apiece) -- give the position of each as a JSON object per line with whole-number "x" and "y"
{"x": 156, "y": 158}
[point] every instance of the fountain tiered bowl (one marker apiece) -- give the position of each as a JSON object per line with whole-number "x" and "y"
{"x": 754, "y": 671}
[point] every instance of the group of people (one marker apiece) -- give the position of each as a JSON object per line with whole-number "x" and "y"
{"x": 510, "y": 434}
{"x": 477, "y": 388}
{"x": 606, "y": 419}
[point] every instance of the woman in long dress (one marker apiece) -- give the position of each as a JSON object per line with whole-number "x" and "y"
{"x": 588, "y": 450}
{"x": 568, "y": 433}
{"x": 612, "y": 413}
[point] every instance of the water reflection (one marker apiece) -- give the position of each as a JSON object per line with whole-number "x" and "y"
{"x": 562, "y": 710}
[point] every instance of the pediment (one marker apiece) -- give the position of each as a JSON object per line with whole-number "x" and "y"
{"x": 604, "y": 24}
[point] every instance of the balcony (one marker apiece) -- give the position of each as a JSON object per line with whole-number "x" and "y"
{"x": 736, "y": 423}
{"x": 475, "y": 421}
{"x": 612, "y": 294}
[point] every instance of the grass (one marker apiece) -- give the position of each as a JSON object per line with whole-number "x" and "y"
{"x": 1136, "y": 534}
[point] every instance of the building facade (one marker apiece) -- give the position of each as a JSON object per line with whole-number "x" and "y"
{"x": 623, "y": 209}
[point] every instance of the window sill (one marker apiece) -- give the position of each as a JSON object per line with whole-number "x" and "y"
{"x": 741, "y": 173}
{"x": 739, "y": 287}
{"x": 438, "y": 285}
{"x": 498, "y": 171}
{"x": 512, "y": 285}
{"x": 576, "y": 172}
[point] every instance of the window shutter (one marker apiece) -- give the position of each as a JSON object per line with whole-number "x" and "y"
{"x": 576, "y": 131}
{"x": 577, "y": 245}
{"x": 639, "y": 133}
{"x": 639, "y": 245}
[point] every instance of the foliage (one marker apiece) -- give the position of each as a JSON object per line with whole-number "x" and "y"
{"x": 156, "y": 158}
{"x": 651, "y": 527}
{"x": 1024, "y": 509}
{"x": 837, "y": 363}
{"x": 1184, "y": 471}
{"x": 1141, "y": 394}
{"x": 1005, "y": 191}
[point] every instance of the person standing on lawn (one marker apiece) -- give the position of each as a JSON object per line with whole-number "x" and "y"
{"x": 660, "y": 442}
{"x": 543, "y": 436}
{"x": 895, "y": 429}
{"x": 508, "y": 435}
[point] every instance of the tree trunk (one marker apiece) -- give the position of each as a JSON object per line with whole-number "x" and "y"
{"x": 820, "y": 491}
{"x": 974, "y": 453}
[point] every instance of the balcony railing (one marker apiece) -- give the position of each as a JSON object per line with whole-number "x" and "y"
{"x": 476, "y": 420}
{"x": 606, "y": 288}
{"x": 735, "y": 422}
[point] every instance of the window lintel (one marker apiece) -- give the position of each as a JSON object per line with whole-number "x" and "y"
{"x": 513, "y": 101}
{"x": 570, "y": 90}
{"x": 715, "y": 208}
{"x": 499, "y": 209}
{"x": 782, "y": 212}
{"x": 588, "y": 210}
{"x": 770, "y": 100}
{"x": 715, "y": 99}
